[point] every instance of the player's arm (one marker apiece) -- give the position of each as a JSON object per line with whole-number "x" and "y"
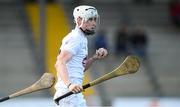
{"x": 61, "y": 68}
{"x": 100, "y": 53}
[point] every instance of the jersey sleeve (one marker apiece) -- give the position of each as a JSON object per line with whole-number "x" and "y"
{"x": 71, "y": 45}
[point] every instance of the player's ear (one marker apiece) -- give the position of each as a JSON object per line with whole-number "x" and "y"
{"x": 76, "y": 20}
{"x": 79, "y": 21}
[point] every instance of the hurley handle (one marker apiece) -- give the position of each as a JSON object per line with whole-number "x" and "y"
{"x": 4, "y": 99}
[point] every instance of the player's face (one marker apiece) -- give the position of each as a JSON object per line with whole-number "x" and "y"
{"x": 90, "y": 24}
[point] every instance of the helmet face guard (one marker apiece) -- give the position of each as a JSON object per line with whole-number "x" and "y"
{"x": 86, "y": 13}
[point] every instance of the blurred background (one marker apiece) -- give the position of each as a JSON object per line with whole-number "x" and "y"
{"x": 30, "y": 36}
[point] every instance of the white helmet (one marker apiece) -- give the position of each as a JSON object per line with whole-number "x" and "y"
{"x": 85, "y": 12}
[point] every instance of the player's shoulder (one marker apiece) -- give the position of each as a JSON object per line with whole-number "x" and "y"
{"x": 73, "y": 35}
{"x": 71, "y": 38}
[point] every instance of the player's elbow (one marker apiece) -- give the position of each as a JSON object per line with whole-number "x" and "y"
{"x": 59, "y": 63}
{"x": 62, "y": 59}
{"x": 56, "y": 65}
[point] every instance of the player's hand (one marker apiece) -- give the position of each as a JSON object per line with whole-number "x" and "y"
{"x": 100, "y": 53}
{"x": 75, "y": 88}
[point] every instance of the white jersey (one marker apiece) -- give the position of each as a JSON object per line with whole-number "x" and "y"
{"x": 76, "y": 43}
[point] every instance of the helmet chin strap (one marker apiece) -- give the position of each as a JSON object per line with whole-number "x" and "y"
{"x": 88, "y": 32}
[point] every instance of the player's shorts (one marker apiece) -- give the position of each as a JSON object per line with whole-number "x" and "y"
{"x": 74, "y": 100}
